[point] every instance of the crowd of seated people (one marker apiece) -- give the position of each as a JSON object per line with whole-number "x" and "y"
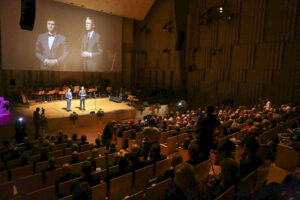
{"x": 206, "y": 125}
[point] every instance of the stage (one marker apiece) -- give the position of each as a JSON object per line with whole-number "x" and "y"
{"x": 87, "y": 123}
{"x": 58, "y": 109}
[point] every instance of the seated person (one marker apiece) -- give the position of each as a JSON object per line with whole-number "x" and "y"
{"x": 74, "y": 137}
{"x": 230, "y": 173}
{"x": 75, "y": 147}
{"x": 75, "y": 158}
{"x": 93, "y": 158}
{"x": 185, "y": 184}
{"x": 82, "y": 191}
{"x": 87, "y": 174}
{"x": 123, "y": 169}
{"x": 176, "y": 160}
{"x": 83, "y": 140}
{"x": 116, "y": 161}
{"x": 250, "y": 161}
{"x": 194, "y": 155}
{"x": 98, "y": 143}
{"x": 134, "y": 157}
{"x": 66, "y": 176}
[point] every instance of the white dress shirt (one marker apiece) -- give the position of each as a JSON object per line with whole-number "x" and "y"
{"x": 51, "y": 38}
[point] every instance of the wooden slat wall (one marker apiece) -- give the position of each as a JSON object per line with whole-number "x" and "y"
{"x": 254, "y": 55}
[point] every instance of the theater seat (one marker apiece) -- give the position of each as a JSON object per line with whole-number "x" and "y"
{"x": 157, "y": 192}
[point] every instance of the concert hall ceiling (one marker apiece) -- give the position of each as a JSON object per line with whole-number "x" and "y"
{"x": 134, "y": 9}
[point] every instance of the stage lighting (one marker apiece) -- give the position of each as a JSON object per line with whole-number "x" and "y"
{"x": 20, "y": 119}
{"x": 180, "y": 104}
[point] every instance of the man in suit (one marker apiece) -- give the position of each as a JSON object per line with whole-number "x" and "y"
{"x": 50, "y": 47}
{"x": 82, "y": 94}
{"x": 69, "y": 98}
{"x": 90, "y": 46}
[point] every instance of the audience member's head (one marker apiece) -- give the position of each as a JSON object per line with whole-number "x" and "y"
{"x": 83, "y": 139}
{"x": 185, "y": 176}
{"x": 74, "y": 136}
{"x": 66, "y": 169}
{"x": 86, "y": 168}
{"x": 82, "y": 191}
{"x": 176, "y": 160}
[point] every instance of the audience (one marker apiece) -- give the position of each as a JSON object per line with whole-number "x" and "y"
{"x": 210, "y": 125}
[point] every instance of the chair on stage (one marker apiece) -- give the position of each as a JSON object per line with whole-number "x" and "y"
{"x": 109, "y": 91}
{"x": 39, "y": 95}
{"x": 91, "y": 92}
{"x": 50, "y": 95}
{"x": 62, "y": 93}
{"x": 76, "y": 91}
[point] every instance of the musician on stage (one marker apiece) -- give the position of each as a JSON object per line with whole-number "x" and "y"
{"x": 69, "y": 98}
{"x": 82, "y": 94}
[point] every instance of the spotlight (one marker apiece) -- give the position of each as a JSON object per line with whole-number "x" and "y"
{"x": 20, "y": 119}
{"x": 180, "y": 104}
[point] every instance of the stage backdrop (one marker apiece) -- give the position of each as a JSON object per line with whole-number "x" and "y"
{"x": 23, "y": 50}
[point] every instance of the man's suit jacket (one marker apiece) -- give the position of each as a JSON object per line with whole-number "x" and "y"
{"x": 58, "y": 50}
{"x": 92, "y": 45}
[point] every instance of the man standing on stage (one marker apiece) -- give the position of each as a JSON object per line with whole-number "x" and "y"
{"x": 90, "y": 46}
{"x": 82, "y": 94}
{"x": 50, "y": 47}
{"x": 69, "y": 98}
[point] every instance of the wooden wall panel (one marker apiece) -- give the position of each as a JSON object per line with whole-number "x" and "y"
{"x": 254, "y": 55}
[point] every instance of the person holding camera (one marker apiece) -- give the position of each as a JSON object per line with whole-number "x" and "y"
{"x": 36, "y": 122}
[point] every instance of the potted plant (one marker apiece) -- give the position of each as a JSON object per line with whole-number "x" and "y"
{"x": 100, "y": 113}
{"x": 73, "y": 117}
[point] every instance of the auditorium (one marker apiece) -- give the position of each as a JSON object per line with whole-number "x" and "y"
{"x": 149, "y": 99}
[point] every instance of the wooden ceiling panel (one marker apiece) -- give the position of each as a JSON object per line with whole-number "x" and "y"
{"x": 133, "y": 9}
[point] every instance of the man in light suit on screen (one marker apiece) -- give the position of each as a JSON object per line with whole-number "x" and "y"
{"x": 90, "y": 46}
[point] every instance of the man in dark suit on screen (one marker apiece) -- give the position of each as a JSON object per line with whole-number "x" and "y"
{"x": 50, "y": 47}
{"x": 90, "y": 46}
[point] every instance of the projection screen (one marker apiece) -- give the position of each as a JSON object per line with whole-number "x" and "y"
{"x": 64, "y": 38}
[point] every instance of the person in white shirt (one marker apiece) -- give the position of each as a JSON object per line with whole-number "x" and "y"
{"x": 50, "y": 47}
{"x": 90, "y": 46}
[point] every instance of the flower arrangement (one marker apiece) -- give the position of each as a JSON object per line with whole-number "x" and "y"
{"x": 100, "y": 113}
{"x": 73, "y": 117}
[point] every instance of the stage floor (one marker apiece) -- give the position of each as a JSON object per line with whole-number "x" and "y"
{"x": 58, "y": 109}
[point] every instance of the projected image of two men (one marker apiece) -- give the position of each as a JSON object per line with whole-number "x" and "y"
{"x": 64, "y": 38}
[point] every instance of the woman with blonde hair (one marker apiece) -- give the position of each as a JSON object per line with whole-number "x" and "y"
{"x": 186, "y": 185}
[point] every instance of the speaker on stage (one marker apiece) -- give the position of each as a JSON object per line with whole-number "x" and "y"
{"x": 27, "y": 14}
